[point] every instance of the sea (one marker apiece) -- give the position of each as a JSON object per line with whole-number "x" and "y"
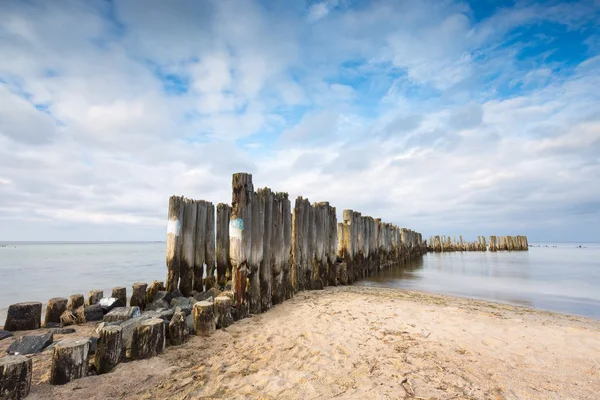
{"x": 560, "y": 277}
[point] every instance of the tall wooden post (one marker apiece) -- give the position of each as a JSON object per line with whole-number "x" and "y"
{"x": 266, "y": 274}
{"x": 210, "y": 258}
{"x": 256, "y": 253}
{"x": 188, "y": 245}
{"x": 200, "y": 245}
{"x": 287, "y": 248}
{"x": 240, "y": 239}
{"x": 223, "y": 260}
{"x": 175, "y": 216}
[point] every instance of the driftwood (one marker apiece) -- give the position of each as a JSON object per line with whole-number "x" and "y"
{"x": 109, "y": 349}
{"x": 15, "y": 377}
{"x": 70, "y": 360}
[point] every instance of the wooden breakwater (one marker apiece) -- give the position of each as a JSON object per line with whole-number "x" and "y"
{"x": 266, "y": 251}
{"x": 496, "y": 243}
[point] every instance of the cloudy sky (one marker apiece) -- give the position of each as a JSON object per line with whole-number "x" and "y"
{"x": 449, "y": 117}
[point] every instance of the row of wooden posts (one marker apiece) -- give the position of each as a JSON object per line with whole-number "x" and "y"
{"x": 496, "y": 243}
{"x": 266, "y": 251}
{"x": 126, "y": 332}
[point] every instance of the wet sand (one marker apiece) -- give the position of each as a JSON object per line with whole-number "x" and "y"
{"x": 358, "y": 342}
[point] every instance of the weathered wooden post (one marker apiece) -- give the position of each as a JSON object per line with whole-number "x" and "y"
{"x": 256, "y": 252}
{"x": 56, "y": 306}
{"x": 173, "y": 252}
{"x": 120, "y": 293}
{"x": 288, "y": 288}
{"x": 298, "y": 274}
{"x": 148, "y": 339}
{"x": 15, "y": 377}
{"x": 178, "y": 329}
{"x": 23, "y": 316}
{"x": 277, "y": 249}
{"x": 266, "y": 273}
{"x": 199, "y": 251}
{"x": 319, "y": 232}
{"x": 109, "y": 349}
{"x": 333, "y": 243}
{"x": 154, "y": 288}
{"x": 222, "y": 311}
{"x": 240, "y": 241}
{"x": 94, "y": 297}
{"x": 187, "y": 274}
{"x": 348, "y": 242}
{"x": 223, "y": 261}
{"x": 69, "y": 361}
{"x": 138, "y": 296}
{"x": 204, "y": 320}
{"x": 210, "y": 257}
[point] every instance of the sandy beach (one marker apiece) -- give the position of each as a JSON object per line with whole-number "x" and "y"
{"x": 357, "y": 342}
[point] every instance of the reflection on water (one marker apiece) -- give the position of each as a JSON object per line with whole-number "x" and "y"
{"x": 560, "y": 277}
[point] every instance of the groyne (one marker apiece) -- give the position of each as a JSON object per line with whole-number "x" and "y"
{"x": 266, "y": 251}
{"x": 496, "y": 243}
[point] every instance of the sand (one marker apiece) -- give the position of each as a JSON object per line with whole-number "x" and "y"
{"x": 364, "y": 343}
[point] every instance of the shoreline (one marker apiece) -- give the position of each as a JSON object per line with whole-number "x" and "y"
{"x": 355, "y": 341}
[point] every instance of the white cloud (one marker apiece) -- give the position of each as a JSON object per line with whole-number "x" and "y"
{"x": 394, "y": 109}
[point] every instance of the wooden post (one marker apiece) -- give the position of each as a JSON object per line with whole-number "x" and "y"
{"x": 223, "y": 312}
{"x": 148, "y": 339}
{"x": 204, "y": 320}
{"x": 154, "y": 288}
{"x": 348, "y": 241}
{"x": 179, "y": 332}
{"x": 56, "y": 306}
{"x": 266, "y": 275}
{"x": 109, "y": 349}
{"x": 23, "y": 316}
{"x": 138, "y": 296}
{"x": 298, "y": 274}
{"x": 223, "y": 261}
{"x": 188, "y": 245}
{"x": 15, "y": 377}
{"x": 288, "y": 290}
{"x": 256, "y": 252}
{"x": 120, "y": 293}
{"x": 333, "y": 242}
{"x": 70, "y": 360}
{"x": 277, "y": 249}
{"x": 319, "y": 230}
{"x": 94, "y": 297}
{"x": 240, "y": 231}
{"x": 173, "y": 252}
{"x": 312, "y": 247}
{"x": 200, "y": 245}
{"x": 210, "y": 258}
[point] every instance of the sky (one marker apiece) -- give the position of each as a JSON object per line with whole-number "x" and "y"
{"x": 446, "y": 117}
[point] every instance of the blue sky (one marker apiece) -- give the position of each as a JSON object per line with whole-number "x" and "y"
{"x": 448, "y": 117}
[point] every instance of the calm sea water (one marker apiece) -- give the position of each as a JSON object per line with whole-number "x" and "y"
{"x": 563, "y": 278}
{"x": 40, "y": 271}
